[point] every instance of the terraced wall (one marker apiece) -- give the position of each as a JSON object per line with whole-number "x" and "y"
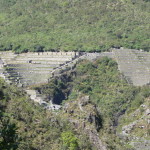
{"x": 33, "y": 68}
{"x": 134, "y": 64}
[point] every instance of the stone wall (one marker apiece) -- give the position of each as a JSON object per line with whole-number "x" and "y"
{"x": 35, "y": 68}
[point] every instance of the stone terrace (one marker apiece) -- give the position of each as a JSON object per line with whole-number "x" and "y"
{"x": 134, "y": 64}
{"x": 33, "y": 68}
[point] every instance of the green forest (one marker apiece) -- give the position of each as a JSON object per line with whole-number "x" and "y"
{"x": 90, "y": 89}
{"x": 27, "y": 126}
{"x": 76, "y": 25}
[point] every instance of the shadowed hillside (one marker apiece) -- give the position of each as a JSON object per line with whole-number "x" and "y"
{"x": 89, "y": 25}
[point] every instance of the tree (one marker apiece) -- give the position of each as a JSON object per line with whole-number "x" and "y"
{"x": 8, "y": 134}
{"x": 69, "y": 140}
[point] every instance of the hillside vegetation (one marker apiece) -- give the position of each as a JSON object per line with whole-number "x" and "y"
{"x": 109, "y": 92}
{"x": 99, "y": 102}
{"x": 79, "y": 25}
{"x": 25, "y": 126}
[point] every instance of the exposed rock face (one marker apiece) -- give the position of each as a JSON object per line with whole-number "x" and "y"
{"x": 86, "y": 119}
{"x": 40, "y": 99}
{"x": 136, "y": 130}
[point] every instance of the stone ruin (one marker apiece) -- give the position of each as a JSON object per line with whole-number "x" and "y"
{"x": 134, "y": 64}
{"x": 29, "y": 69}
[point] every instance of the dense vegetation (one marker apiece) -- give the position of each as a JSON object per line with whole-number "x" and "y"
{"x": 25, "y": 126}
{"x": 80, "y": 25}
{"x": 110, "y": 92}
{"x": 57, "y": 89}
{"x": 107, "y": 89}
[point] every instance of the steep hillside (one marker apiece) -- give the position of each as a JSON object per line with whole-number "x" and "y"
{"x": 101, "y": 112}
{"x": 89, "y": 25}
{"x": 134, "y": 127}
{"x": 25, "y": 126}
{"x": 114, "y": 97}
{"x": 98, "y": 86}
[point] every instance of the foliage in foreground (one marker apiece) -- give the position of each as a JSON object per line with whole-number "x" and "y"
{"x": 107, "y": 89}
{"x": 23, "y": 125}
{"x": 26, "y": 126}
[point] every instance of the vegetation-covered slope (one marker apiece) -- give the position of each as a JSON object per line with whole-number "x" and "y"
{"x": 25, "y": 126}
{"x": 114, "y": 97}
{"x": 89, "y": 25}
{"x": 100, "y": 104}
{"x": 111, "y": 94}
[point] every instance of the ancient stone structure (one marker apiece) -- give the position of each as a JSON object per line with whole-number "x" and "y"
{"x": 33, "y": 68}
{"x": 29, "y": 69}
{"x": 134, "y": 64}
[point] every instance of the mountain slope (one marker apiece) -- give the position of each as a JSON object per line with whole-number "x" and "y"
{"x": 102, "y": 111}
{"x": 24, "y": 125}
{"x": 74, "y": 25}
{"x": 98, "y": 86}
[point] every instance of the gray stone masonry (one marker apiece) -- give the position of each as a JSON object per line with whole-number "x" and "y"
{"x": 134, "y": 64}
{"x": 34, "y": 68}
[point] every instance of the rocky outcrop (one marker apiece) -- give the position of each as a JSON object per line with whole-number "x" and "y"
{"x": 40, "y": 99}
{"x": 135, "y": 132}
{"x": 85, "y": 118}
